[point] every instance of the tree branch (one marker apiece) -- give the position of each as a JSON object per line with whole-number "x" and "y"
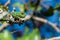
{"x": 47, "y": 22}
{"x": 3, "y": 26}
{"x": 54, "y": 38}
{"x": 8, "y": 2}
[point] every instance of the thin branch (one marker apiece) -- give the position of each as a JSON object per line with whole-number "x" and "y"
{"x": 47, "y": 22}
{"x": 8, "y": 2}
{"x": 9, "y": 17}
{"x": 55, "y": 38}
{"x": 26, "y": 18}
{"x": 41, "y": 20}
{"x": 3, "y": 26}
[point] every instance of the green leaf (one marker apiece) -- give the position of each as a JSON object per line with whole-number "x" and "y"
{"x": 5, "y": 35}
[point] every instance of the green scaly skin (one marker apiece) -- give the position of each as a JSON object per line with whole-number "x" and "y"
{"x": 18, "y": 14}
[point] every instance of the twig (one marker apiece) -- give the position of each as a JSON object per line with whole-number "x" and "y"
{"x": 8, "y": 2}
{"x": 54, "y": 38}
{"x": 3, "y": 26}
{"x": 47, "y": 22}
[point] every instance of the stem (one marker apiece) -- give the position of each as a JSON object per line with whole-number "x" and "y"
{"x": 8, "y": 2}
{"x": 3, "y": 26}
{"x": 54, "y": 38}
{"x": 47, "y": 22}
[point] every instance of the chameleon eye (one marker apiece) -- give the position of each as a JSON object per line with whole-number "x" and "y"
{"x": 1, "y": 10}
